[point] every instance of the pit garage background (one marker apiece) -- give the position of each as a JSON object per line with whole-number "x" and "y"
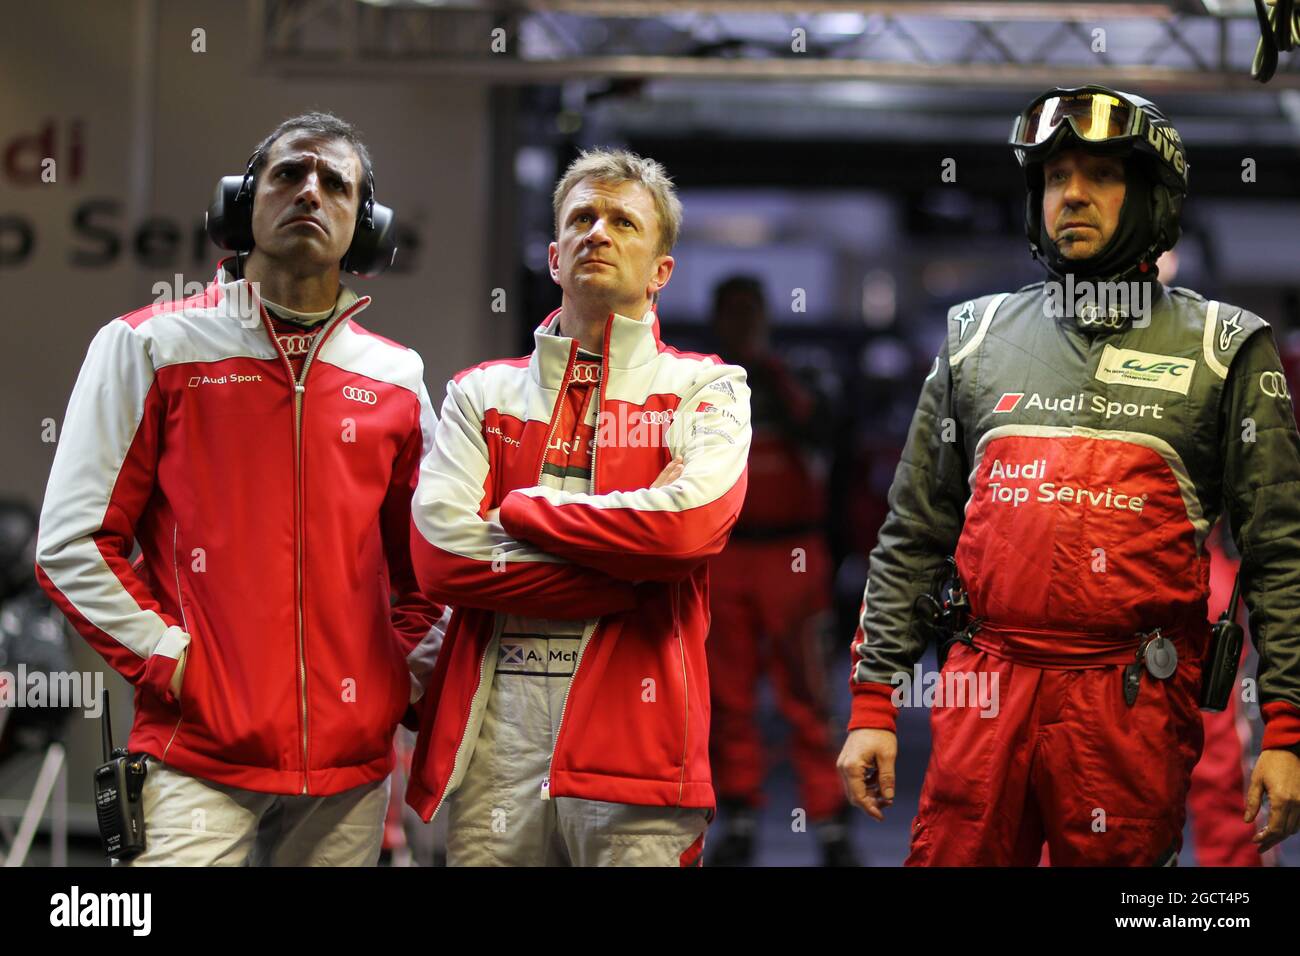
{"x": 850, "y": 155}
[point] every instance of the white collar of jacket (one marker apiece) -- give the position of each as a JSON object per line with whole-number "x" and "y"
{"x": 237, "y": 299}
{"x": 629, "y": 343}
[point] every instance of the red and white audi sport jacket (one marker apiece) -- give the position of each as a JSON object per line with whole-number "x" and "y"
{"x": 629, "y": 559}
{"x": 273, "y": 521}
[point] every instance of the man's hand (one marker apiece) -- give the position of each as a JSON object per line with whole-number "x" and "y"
{"x": 178, "y": 675}
{"x": 866, "y": 766}
{"x": 672, "y": 471}
{"x": 1277, "y": 776}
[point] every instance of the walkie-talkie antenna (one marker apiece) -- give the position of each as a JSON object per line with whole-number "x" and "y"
{"x": 1230, "y": 612}
{"x": 107, "y": 726}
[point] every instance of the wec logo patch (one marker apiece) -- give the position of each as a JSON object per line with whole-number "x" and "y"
{"x": 1170, "y": 373}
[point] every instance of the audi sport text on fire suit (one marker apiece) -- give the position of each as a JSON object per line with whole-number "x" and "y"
{"x": 1077, "y": 469}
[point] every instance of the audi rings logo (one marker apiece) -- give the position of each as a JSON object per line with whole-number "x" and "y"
{"x": 1094, "y": 318}
{"x": 364, "y": 396}
{"x": 295, "y": 344}
{"x": 1273, "y": 384}
{"x": 586, "y": 374}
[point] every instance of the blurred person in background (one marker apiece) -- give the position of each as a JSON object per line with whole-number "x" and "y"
{"x": 32, "y": 641}
{"x": 261, "y": 447}
{"x": 769, "y": 596}
{"x": 1074, "y": 444}
{"x": 1216, "y": 795}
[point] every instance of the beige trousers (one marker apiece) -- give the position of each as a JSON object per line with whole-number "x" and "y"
{"x": 189, "y": 821}
{"x": 497, "y": 816}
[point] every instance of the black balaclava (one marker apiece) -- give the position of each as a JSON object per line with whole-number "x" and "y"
{"x": 1121, "y": 258}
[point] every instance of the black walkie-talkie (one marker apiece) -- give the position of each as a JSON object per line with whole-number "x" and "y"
{"x": 118, "y": 785}
{"x": 1223, "y": 656}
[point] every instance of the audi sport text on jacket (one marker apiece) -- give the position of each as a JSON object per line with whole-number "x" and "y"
{"x": 273, "y": 521}
{"x": 629, "y": 559}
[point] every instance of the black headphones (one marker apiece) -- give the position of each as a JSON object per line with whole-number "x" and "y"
{"x": 230, "y": 224}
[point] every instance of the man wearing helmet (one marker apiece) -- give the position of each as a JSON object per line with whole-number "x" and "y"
{"x": 1073, "y": 453}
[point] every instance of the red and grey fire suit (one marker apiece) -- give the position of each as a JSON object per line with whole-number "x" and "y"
{"x": 767, "y": 591}
{"x": 1076, "y": 467}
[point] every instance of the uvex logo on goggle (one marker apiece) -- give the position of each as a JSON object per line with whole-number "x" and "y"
{"x": 1165, "y": 141}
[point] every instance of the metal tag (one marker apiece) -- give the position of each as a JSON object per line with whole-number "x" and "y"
{"x": 1161, "y": 657}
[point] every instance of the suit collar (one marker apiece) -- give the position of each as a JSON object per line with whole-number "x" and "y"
{"x": 629, "y": 343}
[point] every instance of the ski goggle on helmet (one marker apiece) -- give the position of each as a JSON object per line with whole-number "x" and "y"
{"x": 1100, "y": 117}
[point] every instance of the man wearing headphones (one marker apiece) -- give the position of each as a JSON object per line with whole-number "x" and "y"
{"x": 1073, "y": 446}
{"x": 262, "y": 448}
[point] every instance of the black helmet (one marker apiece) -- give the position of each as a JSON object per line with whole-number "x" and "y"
{"x": 1109, "y": 122}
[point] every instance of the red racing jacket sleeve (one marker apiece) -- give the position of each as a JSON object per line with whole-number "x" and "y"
{"x": 1261, "y": 493}
{"x": 926, "y": 506}
{"x": 102, "y": 477}
{"x": 654, "y": 534}
{"x": 419, "y": 622}
{"x": 463, "y": 559}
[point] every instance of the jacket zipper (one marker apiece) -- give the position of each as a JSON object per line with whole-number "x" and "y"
{"x": 299, "y": 389}
{"x": 176, "y": 567}
{"x": 482, "y": 664}
{"x": 564, "y": 706}
{"x": 686, "y": 690}
{"x": 591, "y": 486}
{"x": 460, "y": 746}
{"x": 180, "y": 602}
{"x": 557, "y": 410}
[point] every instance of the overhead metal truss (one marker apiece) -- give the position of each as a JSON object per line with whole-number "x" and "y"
{"x": 1169, "y": 45}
